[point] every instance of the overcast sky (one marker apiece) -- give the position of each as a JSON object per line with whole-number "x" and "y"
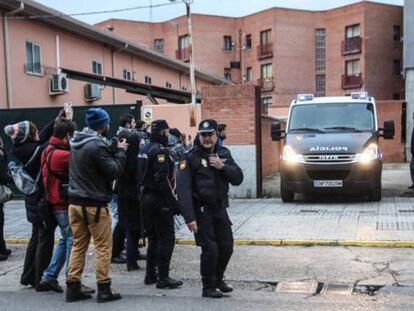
{"x": 233, "y": 8}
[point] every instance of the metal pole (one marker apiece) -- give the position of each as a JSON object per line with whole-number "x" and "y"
{"x": 192, "y": 67}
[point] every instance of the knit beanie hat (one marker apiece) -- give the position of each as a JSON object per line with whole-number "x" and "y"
{"x": 97, "y": 118}
{"x": 18, "y": 132}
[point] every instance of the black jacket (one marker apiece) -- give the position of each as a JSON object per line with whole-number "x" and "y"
{"x": 23, "y": 152}
{"x": 93, "y": 167}
{"x": 199, "y": 184}
{"x": 412, "y": 143}
{"x": 128, "y": 203}
{"x": 4, "y": 176}
{"x": 157, "y": 176}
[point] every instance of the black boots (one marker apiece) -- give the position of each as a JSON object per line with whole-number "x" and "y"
{"x": 74, "y": 292}
{"x": 133, "y": 266}
{"x": 150, "y": 279}
{"x": 224, "y": 287}
{"x": 167, "y": 282}
{"x": 105, "y": 293}
{"x": 212, "y": 293}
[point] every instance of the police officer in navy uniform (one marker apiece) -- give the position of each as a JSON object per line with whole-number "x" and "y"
{"x": 156, "y": 179}
{"x": 202, "y": 187}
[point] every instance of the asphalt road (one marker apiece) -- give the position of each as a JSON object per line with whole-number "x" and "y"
{"x": 380, "y": 279}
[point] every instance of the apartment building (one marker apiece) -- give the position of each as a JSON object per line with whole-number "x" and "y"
{"x": 285, "y": 51}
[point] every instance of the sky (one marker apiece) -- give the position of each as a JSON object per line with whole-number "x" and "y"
{"x": 234, "y": 8}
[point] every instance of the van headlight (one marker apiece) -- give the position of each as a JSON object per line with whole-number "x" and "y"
{"x": 370, "y": 153}
{"x": 290, "y": 155}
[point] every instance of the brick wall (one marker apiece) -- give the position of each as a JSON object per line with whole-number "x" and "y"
{"x": 393, "y": 150}
{"x": 270, "y": 149}
{"x": 234, "y": 106}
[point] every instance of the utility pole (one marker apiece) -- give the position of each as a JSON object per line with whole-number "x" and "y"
{"x": 192, "y": 66}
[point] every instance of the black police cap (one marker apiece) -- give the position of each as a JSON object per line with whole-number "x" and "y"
{"x": 207, "y": 126}
{"x": 159, "y": 125}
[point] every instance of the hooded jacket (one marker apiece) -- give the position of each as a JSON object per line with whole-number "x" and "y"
{"x": 93, "y": 166}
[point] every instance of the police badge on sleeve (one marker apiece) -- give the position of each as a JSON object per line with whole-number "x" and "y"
{"x": 183, "y": 165}
{"x": 161, "y": 158}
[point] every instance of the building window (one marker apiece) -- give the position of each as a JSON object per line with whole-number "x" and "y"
{"x": 183, "y": 42}
{"x": 248, "y": 41}
{"x": 159, "y": 45}
{"x": 33, "y": 62}
{"x": 249, "y": 74}
{"x": 126, "y": 74}
{"x": 227, "y": 43}
{"x": 320, "y": 85}
{"x": 266, "y": 102}
{"x": 396, "y": 96}
{"x": 352, "y": 31}
{"x": 266, "y": 71}
{"x": 396, "y": 67}
{"x": 97, "y": 67}
{"x": 352, "y": 67}
{"x": 397, "y": 33}
{"x": 265, "y": 37}
{"x": 148, "y": 80}
{"x": 320, "y": 49}
{"x": 227, "y": 74}
{"x": 168, "y": 85}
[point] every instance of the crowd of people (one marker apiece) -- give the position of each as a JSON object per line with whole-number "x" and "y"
{"x": 122, "y": 192}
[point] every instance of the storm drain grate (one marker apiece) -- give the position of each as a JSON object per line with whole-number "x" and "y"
{"x": 406, "y": 212}
{"x": 337, "y": 289}
{"x": 297, "y": 287}
{"x": 398, "y": 226}
{"x": 309, "y": 211}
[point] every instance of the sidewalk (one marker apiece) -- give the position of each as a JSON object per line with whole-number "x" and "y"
{"x": 271, "y": 222}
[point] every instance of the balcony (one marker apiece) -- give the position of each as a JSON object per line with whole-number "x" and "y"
{"x": 266, "y": 84}
{"x": 265, "y": 50}
{"x": 183, "y": 54}
{"x": 352, "y": 46}
{"x": 352, "y": 82}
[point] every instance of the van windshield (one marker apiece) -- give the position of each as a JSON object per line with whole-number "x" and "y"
{"x": 332, "y": 117}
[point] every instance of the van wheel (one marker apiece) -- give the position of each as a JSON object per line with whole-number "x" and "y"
{"x": 375, "y": 194}
{"x": 286, "y": 194}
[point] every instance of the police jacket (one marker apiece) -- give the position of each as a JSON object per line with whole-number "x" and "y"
{"x": 93, "y": 166}
{"x": 199, "y": 184}
{"x": 156, "y": 175}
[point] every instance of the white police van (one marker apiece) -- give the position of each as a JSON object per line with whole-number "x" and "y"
{"x": 331, "y": 146}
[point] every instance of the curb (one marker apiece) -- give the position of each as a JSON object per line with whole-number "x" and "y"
{"x": 258, "y": 242}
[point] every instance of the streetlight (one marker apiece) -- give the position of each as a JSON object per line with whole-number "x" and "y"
{"x": 192, "y": 66}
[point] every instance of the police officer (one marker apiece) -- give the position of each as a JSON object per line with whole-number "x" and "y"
{"x": 156, "y": 178}
{"x": 203, "y": 183}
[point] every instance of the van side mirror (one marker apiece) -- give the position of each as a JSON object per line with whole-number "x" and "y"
{"x": 277, "y": 132}
{"x": 388, "y": 131}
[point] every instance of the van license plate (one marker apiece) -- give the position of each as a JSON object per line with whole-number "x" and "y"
{"x": 327, "y": 183}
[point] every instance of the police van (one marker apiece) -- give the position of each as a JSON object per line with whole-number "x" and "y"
{"x": 331, "y": 146}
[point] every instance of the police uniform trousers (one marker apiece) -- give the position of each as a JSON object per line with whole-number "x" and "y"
{"x": 159, "y": 224}
{"x": 215, "y": 237}
{"x": 86, "y": 223}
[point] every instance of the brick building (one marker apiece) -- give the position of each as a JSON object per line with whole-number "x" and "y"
{"x": 286, "y": 51}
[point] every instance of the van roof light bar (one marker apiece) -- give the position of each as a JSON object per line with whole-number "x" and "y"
{"x": 359, "y": 95}
{"x": 304, "y": 97}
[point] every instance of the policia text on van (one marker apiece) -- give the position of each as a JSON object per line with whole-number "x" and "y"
{"x": 331, "y": 146}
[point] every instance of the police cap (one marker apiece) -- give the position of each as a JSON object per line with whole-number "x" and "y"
{"x": 207, "y": 126}
{"x": 159, "y": 125}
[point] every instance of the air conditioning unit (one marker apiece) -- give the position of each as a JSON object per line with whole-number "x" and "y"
{"x": 92, "y": 92}
{"x": 58, "y": 84}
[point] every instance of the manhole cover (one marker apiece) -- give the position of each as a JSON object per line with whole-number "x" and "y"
{"x": 297, "y": 287}
{"x": 337, "y": 289}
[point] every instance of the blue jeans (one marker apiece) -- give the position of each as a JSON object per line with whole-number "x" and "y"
{"x": 62, "y": 250}
{"x": 113, "y": 206}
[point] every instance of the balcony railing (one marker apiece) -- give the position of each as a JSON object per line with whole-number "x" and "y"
{"x": 266, "y": 84}
{"x": 265, "y": 50}
{"x": 352, "y": 81}
{"x": 352, "y": 45}
{"x": 183, "y": 54}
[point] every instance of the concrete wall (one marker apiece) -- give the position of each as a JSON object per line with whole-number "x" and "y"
{"x": 408, "y": 34}
{"x": 409, "y": 95}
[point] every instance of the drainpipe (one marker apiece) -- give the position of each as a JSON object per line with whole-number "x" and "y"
{"x": 7, "y": 54}
{"x": 113, "y": 67}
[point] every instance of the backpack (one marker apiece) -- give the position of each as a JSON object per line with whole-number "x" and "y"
{"x": 23, "y": 181}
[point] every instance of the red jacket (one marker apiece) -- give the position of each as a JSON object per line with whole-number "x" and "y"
{"x": 59, "y": 164}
